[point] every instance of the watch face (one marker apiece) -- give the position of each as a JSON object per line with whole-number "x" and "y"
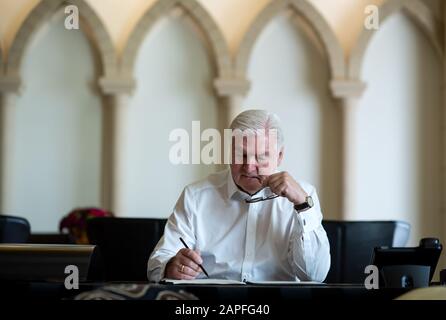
{"x": 310, "y": 201}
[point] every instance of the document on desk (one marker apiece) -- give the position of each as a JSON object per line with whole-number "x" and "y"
{"x": 202, "y": 281}
{"x": 286, "y": 283}
{"x": 235, "y": 282}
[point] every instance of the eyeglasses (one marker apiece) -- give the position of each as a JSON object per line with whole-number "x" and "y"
{"x": 258, "y": 199}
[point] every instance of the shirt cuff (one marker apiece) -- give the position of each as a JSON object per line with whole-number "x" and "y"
{"x": 308, "y": 220}
{"x": 163, "y": 269}
{"x": 157, "y": 274}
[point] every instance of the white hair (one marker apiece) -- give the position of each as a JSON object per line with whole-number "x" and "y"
{"x": 256, "y": 120}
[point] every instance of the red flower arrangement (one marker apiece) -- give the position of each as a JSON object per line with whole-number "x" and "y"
{"x": 75, "y": 222}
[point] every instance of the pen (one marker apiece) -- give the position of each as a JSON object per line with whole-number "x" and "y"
{"x": 181, "y": 239}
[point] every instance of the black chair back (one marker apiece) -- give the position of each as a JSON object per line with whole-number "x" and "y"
{"x": 14, "y": 229}
{"x": 125, "y": 245}
{"x": 352, "y": 244}
{"x": 50, "y": 238}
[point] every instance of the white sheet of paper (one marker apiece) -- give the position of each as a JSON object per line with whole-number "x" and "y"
{"x": 294, "y": 283}
{"x": 202, "y": 281}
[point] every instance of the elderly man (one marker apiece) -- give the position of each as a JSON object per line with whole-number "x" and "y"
{"x": 247, "y": 223}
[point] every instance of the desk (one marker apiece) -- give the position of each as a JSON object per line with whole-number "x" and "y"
{"x": 57, "y": 291}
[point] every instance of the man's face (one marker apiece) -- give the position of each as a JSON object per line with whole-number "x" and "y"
{"x": 253, "y": 160}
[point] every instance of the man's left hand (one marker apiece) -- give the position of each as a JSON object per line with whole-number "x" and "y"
{"x": 283, "y": 184}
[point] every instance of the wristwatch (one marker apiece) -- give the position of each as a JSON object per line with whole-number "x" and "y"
{"x": 306, "y": 205}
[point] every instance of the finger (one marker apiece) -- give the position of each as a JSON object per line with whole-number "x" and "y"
{"x": 273, "y": 182}
{"x": 189, "y": 263}
{"x": 273, "y": 176}
{"x": 181, "y": 276}
{"x": 195, "y": 257}
{"x": 187, "y": 270}
{"x": 172, "y": 271}
{"x": 269, "y": 182}
{"x": 279, "y": 188}
{"x": 277, "y": 177}
{"x": 186, "y": 277}
{"x": 265, "y": 181}
{"x": 182, "y": 266}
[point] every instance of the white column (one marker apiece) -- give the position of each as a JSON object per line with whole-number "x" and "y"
{"x": 348, "y": 109}
{"x": 9, "y": 89}
{"x": 348, "y": 93}
{"x": 118, "y": 140}
{"x": 118, "y": 92}
{"x": 233, "y": 106}
{"x": 232, "y": 91}
{"x": 7, "y": 109}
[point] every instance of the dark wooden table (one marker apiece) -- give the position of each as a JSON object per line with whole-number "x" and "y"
{"x": 57, "y": 291}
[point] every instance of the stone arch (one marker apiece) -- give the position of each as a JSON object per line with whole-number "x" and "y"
{"x": 312, "y": 17}
{"x": 416, "y": 10}
{"x": 198, "y": 14}
{"x": 39, "y": 15}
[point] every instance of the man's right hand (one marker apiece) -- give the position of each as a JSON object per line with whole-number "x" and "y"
{"x": 184, "y": 265}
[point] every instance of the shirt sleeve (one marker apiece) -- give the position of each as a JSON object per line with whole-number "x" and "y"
{"x": 309, "y": 249}
{"x": 178, "y": 225}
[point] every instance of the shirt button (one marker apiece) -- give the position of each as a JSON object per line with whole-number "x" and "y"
{"x": 305, "y": 223}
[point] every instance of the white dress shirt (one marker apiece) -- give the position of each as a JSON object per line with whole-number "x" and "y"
{"x": 267, "y": 240}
